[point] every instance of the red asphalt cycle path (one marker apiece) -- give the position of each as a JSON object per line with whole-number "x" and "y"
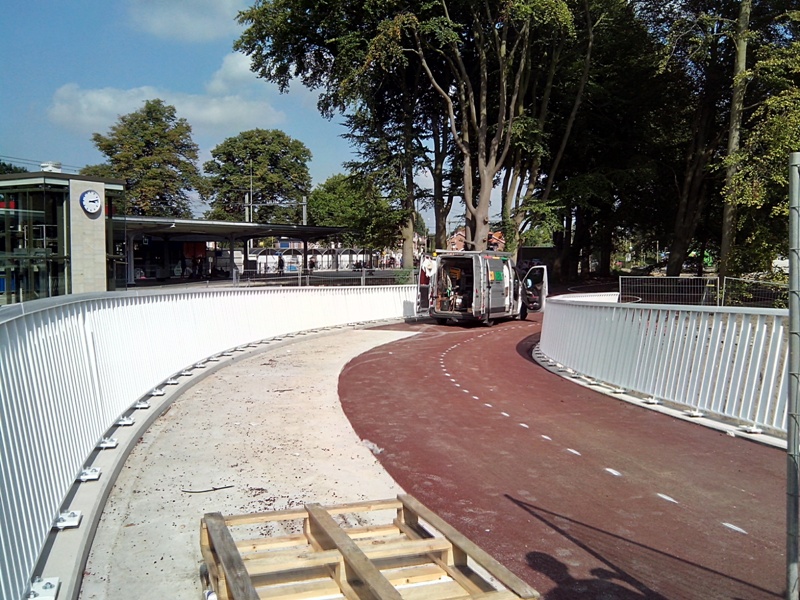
{"x": 582, "y": 495}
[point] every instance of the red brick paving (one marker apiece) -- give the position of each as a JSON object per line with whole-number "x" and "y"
{"x": 561, "y": 483}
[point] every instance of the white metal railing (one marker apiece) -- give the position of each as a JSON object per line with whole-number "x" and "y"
{"x": 732, "y": 362}
{"x": 70, "y": 367}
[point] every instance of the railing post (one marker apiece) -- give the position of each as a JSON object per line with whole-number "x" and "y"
{"x": 793, "y": 405}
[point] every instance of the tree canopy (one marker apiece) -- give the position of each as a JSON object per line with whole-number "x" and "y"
{"x": 355, "y": 203}
{"x": 153, "y": 151}
{"x": 265, "y": 169}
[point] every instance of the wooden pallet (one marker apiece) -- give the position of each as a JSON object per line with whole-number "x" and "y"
{"x": 412, "y": 554}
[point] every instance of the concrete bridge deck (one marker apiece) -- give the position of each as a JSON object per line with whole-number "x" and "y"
{"x": 580, "y": 494}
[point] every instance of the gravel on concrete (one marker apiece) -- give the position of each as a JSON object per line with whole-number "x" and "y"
{"x": 270, "y": 427}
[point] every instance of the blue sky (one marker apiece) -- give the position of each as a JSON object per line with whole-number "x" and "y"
{"x": 70, "y": 69}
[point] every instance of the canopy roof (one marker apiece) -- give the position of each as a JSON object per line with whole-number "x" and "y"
{"x": 191, "y": 230}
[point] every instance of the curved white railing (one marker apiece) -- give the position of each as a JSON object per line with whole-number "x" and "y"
{"x": 70, "y": 367}
{"x": 732, "y": 362}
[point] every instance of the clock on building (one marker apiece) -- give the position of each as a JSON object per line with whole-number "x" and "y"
{"x": 91, "y": 202}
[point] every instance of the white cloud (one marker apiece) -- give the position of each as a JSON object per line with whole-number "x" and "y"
{"x": 187, "y": 20}
{"x": 86, "y": 111}
{"x": 234, "y": 74}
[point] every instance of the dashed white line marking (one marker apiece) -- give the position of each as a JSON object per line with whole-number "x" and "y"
{"x": 735, "y": 528}
{"x": 505, "y": 414}
{"x": 487, "y": 404}
{"x": 667, "y": 498}
{"x": 465, "y": 391}
{"x": 456, "y": 384}
{"x": 475, "y": 398}
{"x": 614, "y": 472}
{"x": 574, "y": 451}
{"x": 548, "y": 438}
{"x": 525, "y": 425}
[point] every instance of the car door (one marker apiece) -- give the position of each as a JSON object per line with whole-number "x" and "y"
{"x": 534, "y": 286}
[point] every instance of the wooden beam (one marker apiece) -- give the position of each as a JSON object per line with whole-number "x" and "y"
{"x": 497, "y": 570}
{"x": 359, "y": 573}
{"x": 237, "y": 580}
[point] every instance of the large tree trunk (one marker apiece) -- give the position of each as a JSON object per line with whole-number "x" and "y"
{"x": 734, "y": 129}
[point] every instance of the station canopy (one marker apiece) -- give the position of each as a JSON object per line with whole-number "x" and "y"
{"x": 191, "y": 230}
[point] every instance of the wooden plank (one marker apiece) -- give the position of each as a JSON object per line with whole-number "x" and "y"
{"x": 237, "y": 581}
{"x": 440, "y": 590}
{"x": 283, "y": 576}
{"x": 301, "y": 513}
{"x": 492, "y": 566}
{"x": 406, "y": 547}
{"x": 414, "y": 574}
{"x": 301, "y": 590}
{"x": 288, "y": 541}
{"x": 262, "y": 544}
{"x": 260, "y": 564}
{"x": 359, "y": 573}
{"x": 458, "y": 569}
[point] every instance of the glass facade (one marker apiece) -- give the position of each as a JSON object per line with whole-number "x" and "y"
{"x": 34, "y": 253}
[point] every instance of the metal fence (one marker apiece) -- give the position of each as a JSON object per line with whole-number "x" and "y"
{"x": 704, "y": 291}
{"x": 71, "y": 367}
{"x": 359, "y": 277}
{"x": 692, "y": 291}
{"x": 752, "y": 292}
{"x": 731, "y": 362}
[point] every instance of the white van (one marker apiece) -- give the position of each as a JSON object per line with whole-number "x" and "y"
{"x": 478, "y": 286}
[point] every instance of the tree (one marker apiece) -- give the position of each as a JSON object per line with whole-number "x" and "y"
{"x": 484, "y": 49}
{"x": 759, "y": 187}
{"x": 355, "y": 203}
{"x": 326, "y": 45}
{"x": 266, "y": 166}
{"x": 8, "y": 168}
{"x": 152, "y": 150}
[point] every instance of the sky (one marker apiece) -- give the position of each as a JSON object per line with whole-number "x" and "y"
{"x": 71, "y": 69}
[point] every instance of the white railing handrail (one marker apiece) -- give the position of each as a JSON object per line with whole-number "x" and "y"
{"x": 71, "y": 366}
{"x": 727, "y": 361}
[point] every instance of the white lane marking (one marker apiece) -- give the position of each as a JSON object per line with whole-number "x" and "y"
{"x": 614, "y": 472}
{"x": 525, "y": 425}
{"x": 475, "y": 398}
{"x": 547, "y": 437}
{"x": 667, "y": 498}
{"x": 574, "y": 451}
{"x": 505, "y": 414}
{"x": 456, "y": 384}
{"x": 487, "y": 404}
{"x": 735, "y": 528}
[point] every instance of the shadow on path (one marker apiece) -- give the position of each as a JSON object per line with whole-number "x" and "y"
{"x": 674, "y": 577}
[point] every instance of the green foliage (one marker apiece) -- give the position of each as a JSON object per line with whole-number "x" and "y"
{"x": 8, "y": 168}
{"x": 270, "y": 162}
{"x": 773, "y": 133}
{"x": 152, "y": 150}
{"x": 355, "y": 203}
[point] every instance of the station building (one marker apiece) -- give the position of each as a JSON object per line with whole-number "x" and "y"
{"x": 68, "y": 234}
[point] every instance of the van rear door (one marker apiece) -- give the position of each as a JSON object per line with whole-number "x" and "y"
{"x": 495, "y": 294}
{"x": 535, "y": 288}
{"x": 425, "y": 283}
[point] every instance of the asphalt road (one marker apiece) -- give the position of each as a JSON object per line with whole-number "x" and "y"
{"x": 582, "y": 495}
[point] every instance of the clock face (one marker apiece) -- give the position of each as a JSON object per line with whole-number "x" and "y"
{"x": 91, "y": 202}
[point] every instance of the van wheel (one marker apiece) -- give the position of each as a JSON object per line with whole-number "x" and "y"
{"x": 441, "y": 321}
